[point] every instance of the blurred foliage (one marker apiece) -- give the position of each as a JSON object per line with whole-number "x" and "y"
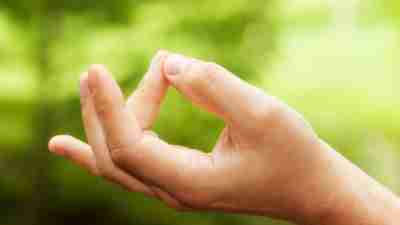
{"x": 334, "y": 61}
{"x": 26, "y": 10}
{"x": 393, "y": 9}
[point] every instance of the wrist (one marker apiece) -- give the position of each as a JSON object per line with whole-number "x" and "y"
{"x": 373, "y": 205}
{"x": 348, "y": 196}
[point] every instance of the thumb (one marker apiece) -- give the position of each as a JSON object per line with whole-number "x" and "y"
{"x": 217, "y": 90}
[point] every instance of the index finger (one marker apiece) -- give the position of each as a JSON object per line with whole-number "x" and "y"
{"x": 145, "y": 101}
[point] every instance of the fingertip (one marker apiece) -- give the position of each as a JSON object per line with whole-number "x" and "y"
{"x": 84, "y": 77}
{"x": 94, "y": 73}
{"x": 162, "y": 52}
{"x": 51, "y": 144}
{"x": 97, "y": 69}
{"x": 174, "y": 65}
{"x": 55, "y": 143}
{"x": 156, "y": 64}
{"x": 100, "y": 77}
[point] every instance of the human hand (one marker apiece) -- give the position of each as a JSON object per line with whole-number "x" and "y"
{"x": 267, "y": 161}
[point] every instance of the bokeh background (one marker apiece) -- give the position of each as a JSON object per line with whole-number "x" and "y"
{"x": 337, "y": 62}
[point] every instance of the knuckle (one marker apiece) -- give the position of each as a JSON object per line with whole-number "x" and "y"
{"x": 267, "y": 113}
{"x": 106, "y": 171}
{"x": 202, "y": 75}
{"x": 117, "y": 152}
{"x": 103, "y": 110}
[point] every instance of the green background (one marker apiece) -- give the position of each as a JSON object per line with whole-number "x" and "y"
{"x": 337, "y": 62}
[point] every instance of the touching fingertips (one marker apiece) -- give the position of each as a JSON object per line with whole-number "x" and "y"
{"x": 175, "y": 64}
{"x": 160, "y": 55}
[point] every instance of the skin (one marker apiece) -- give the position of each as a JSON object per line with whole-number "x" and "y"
{"x": 290, "y": 173}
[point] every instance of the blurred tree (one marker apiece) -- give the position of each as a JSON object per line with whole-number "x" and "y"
{"x": 392, "y": 8}
{"x": 61, "y": 33}
{"x": 44, "y": 18}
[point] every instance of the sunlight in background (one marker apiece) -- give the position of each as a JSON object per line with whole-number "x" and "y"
{"x": 337, "y": 62}
{"x": 342, "y": 75}
{"x": 344, "y": 13}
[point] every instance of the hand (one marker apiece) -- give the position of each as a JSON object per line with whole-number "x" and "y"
{"x": 267, "y": 161}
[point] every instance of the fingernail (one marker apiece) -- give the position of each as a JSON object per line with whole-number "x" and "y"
{"x": 175, "y": 65}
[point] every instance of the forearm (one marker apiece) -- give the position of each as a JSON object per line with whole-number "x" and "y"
{"x": 351, "y": 197}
